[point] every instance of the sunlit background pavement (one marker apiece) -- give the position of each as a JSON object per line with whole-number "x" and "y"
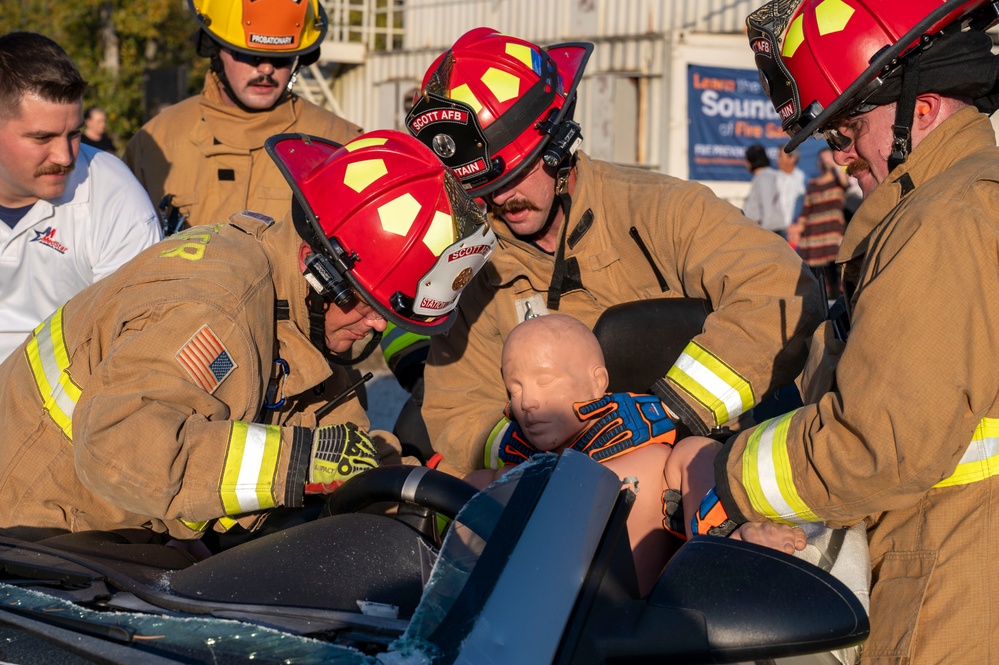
{"x": 385, "y": 395}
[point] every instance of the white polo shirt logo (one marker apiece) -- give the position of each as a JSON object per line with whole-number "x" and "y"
{"x": 47, "y": 238}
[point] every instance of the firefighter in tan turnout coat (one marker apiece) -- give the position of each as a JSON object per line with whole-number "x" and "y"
{"x": 906, "y": 439}
{"x": 578, "y": 235}
{"x": 204, "y": 157}
{"x": 181, "y": 392}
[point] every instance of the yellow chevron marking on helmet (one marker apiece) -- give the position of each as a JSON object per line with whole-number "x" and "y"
{"x": 361, "y": 174}
{"x": 832, "y": 16}
{"x": 464, "y": 94}
{"x": 794, "y": 38}
{"x": 440, "y": 235}
{"x": 397, "y": 216}
{"x": 503, "y": 85}
{"x": 522, "y": 53}
{"x": 364, "y": 143}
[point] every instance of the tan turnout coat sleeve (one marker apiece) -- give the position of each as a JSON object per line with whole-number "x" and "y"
{"x": 907, "y": 441}
{"x": 209, "y": 158}
{"x": 765, "y": 301}
{"x": 139, "y": 403}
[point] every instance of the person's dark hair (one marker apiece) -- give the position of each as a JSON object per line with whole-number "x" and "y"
{"x": 89, "y": 111}
{"x": 34, "y": 64}
{"x": 756, "y": 155}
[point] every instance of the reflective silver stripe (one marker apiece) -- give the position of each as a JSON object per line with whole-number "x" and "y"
{"x": 53, "y": 372}
{"x": 250, "y": 467}
{"x": 712, "y": 383}
{"x": 48, "y": 358}
{"x": 767, "y": 474}
{"x": 980, "y": 451}
{"x": 981, "y": 460}
{"x": 249, "y": 470}
{"x": 413, "y": 483}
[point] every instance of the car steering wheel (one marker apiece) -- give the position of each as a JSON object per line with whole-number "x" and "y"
{"x": 418, "y": 485}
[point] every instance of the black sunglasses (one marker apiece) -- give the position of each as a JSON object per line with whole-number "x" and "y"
{"x": 255, "y": 60}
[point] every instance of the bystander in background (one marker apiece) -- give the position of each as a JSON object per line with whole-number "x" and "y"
{"x": 762, "y": 202}
{"x": 819, "y": 229}
{"x": 94, "y": 125}
{"x": 790, "y": 189}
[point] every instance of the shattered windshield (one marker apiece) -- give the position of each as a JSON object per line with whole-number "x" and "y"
{"x": 186, "y": 639}
{"x": 477, "y": 546}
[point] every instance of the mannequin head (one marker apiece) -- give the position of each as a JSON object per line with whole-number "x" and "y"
{"x": 550, "y": 363}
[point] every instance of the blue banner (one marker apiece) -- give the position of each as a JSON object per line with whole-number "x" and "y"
{"x": 728, "y": 112}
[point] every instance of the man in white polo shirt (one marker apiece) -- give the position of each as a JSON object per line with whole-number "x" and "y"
{"x": 70, "y": 215}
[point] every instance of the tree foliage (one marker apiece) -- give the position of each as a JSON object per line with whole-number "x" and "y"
{"x": 114, "y": 43}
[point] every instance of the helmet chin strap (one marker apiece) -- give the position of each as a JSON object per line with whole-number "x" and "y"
{"x": 219, "y": 69}
{"x": 904, "y": 109}
{"x": 317, "y": 307}
{"x": 565, "y": 202}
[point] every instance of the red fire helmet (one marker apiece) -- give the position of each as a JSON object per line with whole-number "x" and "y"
{"x": 387, "y": 221}
{"x": 492, "y": 103}
{"x": 820, "y": 60}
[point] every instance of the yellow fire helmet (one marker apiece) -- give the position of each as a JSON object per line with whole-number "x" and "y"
{"x": 275, "y": 28}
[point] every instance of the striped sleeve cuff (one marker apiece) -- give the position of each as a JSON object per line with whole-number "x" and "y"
{"x": 711, "y": 382}
{"x": 298, "y": 468}
{"x": 679, "y": 408}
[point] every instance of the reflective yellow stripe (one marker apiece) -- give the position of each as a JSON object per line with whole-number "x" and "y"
{"x": 718, "y": 387}
{"x": 250, "y": 468}
{"x": 49, "y": 360}
{"x": 195, "y": 526}
{"x": 490, "y": 458}
{"x": 395, "y": 339}
{"x": 226, "y": 523}
{"x": 981, "y": 459}
{"x": 766, "y": 474}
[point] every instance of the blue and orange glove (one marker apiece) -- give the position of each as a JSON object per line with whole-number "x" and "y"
{"x": 711, "y": 517}
{"x": 622, "y": 421}
{"x": 506, "y": 443}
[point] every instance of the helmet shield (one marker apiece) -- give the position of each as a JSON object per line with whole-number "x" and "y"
{"x": 452, "y": 131}
{"x": 391, "y": 220}
{"x": 438, "y": 290}
{"x": 764, "y": 26}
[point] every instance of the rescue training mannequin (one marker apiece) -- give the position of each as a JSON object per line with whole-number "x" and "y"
{"x": 554, "y": 372}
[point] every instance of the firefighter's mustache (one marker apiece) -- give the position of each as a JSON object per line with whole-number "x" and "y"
{"x": 857, "y": 166}
{"x": 55, "y": 170}
{"x": 263, "y": 80}
{"x": 513, "y": 206}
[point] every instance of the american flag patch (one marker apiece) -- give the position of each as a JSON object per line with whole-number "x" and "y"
{"x": 206, "y": 359}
